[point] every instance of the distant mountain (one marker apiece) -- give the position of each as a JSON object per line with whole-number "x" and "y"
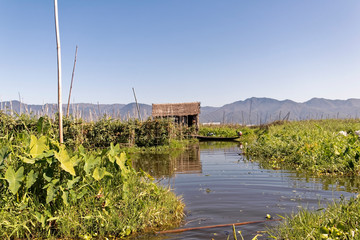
{"x": 263, "y": 110}
{"x": 250, "y": 111}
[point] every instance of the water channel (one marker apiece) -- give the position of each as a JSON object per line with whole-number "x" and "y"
{"x": 220, "y": 186}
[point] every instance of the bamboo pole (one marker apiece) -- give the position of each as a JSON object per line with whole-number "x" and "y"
{"x": 137, "y": 105}
{"x": 58, "y": 70}
{"x": 72, "y": 80}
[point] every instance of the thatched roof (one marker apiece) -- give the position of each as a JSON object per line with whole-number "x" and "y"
{"x": 175, "y": 109}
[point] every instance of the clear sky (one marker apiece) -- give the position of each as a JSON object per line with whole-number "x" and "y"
{"x": 212, "y": 51}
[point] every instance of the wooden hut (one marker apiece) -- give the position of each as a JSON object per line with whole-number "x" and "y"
{"x": 183, "y": 113}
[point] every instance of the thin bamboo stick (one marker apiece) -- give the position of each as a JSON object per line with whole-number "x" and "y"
{"x": 58, "y": 70}
{"x": 137, "y": 105}
{"x": 72, "y": 80}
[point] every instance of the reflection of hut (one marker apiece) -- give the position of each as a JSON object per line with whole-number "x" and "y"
{"x": 183, "y": 113}
{"x": 189, "y": 161}
{"x": 165, "y": 165}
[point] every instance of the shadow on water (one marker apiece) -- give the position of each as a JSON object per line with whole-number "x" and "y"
{"x": 220, "y": 186}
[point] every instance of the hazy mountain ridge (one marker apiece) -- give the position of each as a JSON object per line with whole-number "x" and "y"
{"x": 249, "y": 111}
{"x": 262, "y": 110}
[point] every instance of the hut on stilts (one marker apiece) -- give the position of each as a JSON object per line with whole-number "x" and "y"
{"x": 186, "y": 114}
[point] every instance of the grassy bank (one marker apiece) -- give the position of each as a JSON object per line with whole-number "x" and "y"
{"x": 339, "y": 220}
{"x": 49, "y": 190}
{"x": 316, "y": 146}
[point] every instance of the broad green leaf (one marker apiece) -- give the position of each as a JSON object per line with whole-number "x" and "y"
{"x": 111, "y": 153}
{"x": 14, "y": 178}
{"x": 48, "y": 174}
{"x": 81, "y": 194}
{"x": 65, "y": 197}
{"x": 55, "y": 181}
{"x": 40, "y": 218}
{"x": 90, "y": 163}
{"x": 4, "y": 153}
{"x": 50, "y": 193}
{"x": 75, "y": 160}
{"x": 96, "y": 174}
{"x": 46, "y": 154}
{"x": 27, "y": 160}
{"x": 71, "y": 183}
{"x": 114, "y": 151}
{"x": 65, "y": 160}
{"x": 31, "y": 179}
{"x": 40, "y": 124}
{"x": 38, "y": 146}
{"x": 121, "y": 161}
{"x": 81, "y": 149}
{"x": 99, "y": 173}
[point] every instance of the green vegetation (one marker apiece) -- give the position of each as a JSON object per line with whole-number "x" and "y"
{"x": 149, "y": 133}
{"x": 339, "y": 220}
{"x": 315, "y": 146}
{"x": 322, "y": 147}
{"x": 50, "y": 191}
{"x": 219, "y": 130}
{"x": 228, "y": 130}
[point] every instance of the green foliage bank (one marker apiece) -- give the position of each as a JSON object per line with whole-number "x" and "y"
{"x": 47, "y": 190}
{"x": 321, "y": 147}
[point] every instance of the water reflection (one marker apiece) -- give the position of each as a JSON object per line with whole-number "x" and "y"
{"x": 167, "y": 165}
{"x": 188, "y": 162}
{"x": 327, "y": 182}
{"x": 220, "y": 186}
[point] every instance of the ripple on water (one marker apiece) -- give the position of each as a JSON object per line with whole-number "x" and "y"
{"x": 219, "y": 186}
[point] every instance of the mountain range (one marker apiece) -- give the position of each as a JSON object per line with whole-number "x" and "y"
{"x": 249, "y": 111}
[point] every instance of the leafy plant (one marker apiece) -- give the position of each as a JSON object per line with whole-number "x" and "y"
{"x": 48, "y": 190}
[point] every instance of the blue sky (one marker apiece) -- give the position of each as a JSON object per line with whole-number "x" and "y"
{"x": 211, "y": 51}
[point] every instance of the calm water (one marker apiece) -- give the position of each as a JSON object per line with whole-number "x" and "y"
{"x": 219, "y": 186}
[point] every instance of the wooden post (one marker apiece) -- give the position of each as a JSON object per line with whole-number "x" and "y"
{"x": 72, "y": 80}
{"x": 59, "y": 71}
